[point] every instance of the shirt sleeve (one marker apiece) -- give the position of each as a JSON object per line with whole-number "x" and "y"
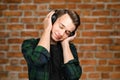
{"x": 34, "y": 55}
{"x": 72, "y": 69}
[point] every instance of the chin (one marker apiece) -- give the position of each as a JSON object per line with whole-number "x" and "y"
{"x": 54, "y": 39}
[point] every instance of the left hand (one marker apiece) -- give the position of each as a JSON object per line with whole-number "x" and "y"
{"x": 68, "y": 39}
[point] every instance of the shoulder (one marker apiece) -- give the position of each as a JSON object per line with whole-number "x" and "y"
{"x": 31, "y": 41}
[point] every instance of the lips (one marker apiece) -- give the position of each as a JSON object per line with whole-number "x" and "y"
{"x": 57, "y": 36}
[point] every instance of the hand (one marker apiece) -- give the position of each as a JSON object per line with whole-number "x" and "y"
{"x": 47, "y": 23}
{"x": 68, "y": 39}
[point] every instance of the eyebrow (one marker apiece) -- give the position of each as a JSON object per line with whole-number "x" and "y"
{"x": 62, "y": 24}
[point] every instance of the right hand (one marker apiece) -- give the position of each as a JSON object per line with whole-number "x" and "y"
{"x": 47, "y": 23}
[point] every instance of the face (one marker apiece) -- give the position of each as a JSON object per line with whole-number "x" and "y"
{"x": 62, "y": 28}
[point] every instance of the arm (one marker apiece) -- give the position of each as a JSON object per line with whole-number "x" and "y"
{"x": 34, "y": 55}
{"x": 71, "y": 68}
{"x": 45, "y": 38}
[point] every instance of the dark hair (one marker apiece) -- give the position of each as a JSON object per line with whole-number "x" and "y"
{"x": 73, "y": 15}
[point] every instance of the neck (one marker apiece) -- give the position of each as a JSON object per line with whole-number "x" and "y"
{"x": 53, "y": 42}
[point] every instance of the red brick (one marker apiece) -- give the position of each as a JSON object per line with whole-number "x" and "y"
{"x": 29, "y": 20}
{"x": 113, "y": 20}
{"x": 117, "y": 68}
{"x": 88, "y": 62}
{"x": 2, "y": 54}
{"x": 13, "y": 7}
{"x": 41, "y": 1}
{"x": 42, "y": 7}
{"x": 29, "y": 33}
{"x": 115, "y": 48}
{"x": 71, "y": 6}
{"x": 14, "y": 54}
{"x": 86, "y": 13}
{"x": 23, "y": 62}
{"x": 94, "y": 75}
{"x": 83, "y": 76}
{"x": 86, "y": 6}
{"x": 88, "y": 48}
{"x": 15, "y": 20}
{"x": 102, "y": 62}
{"x": 2, "y": 27}
{"x": 12, "y": 13}
{"x": 86, "y": 1}
{"x": 89, "y": 69}
{"x": 13, "y": 68}
{"x": 113, "y": 6}
{"x": 59, "y": 1}
{"x": 25, "y": 68}
{"x": 100, "y": 0}
{"x": 114, "y": 62}
{"x": 103, "y": 41}
{"x": 1, "y": 68}
{"x": 23, "y": 75}
{"x": 15, "y": 26}
{"x": 100, "y": 6}
{"x": 102, "y": 48}
{"x": 3, "y": 20}
{"x": 39, "y": 26}
{"x": 115, "y": 33}
{"x": 88, "y": 40}
{"x": 2, "y": 41}
{"x": 89, "y": 20}
{"x": 115, "y": 75}
{"x": 105, "y": 75}
{"x": 4, "y": 47}
{"x": 104, "y": 68}
{"x": 102, "y": 19}
{"x": 101, "y": 13}
{"x": 14, "y": 62}
{"x": 73, "y": 0}
{"x": 104, "y": 55}
{"x": 80, "y": 55}
{"x": 15, "y": 48}
{"x": 28, "y": 7}
{"x": 115, "y": 13}
{"x": 3, "y": 61}
{"x": 15, "y": 34}
{"x": 89, "y": 26}
{"x": 104, "y": 27}
{"x": 57, "y": 6}
{"x": 115, "y": 1}
{"x": 78, "y": 40}
{"x": 12, "y": 1}
{"x": 3, "y": 74}
{"x": 15, "y": 40}
{"x": 88, "y": 55}
{"x": 117, "y": 55}
{"x": 27, "y": 1}
{"x": 3, "y": 7}
{"x": 27, "y": 13}
{"x": 104, "y": 33}
{"x": 41, "y": 13}
{"x": 89, "y": 34}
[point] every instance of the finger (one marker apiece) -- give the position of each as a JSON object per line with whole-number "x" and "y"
{"x": 50, "y": 14}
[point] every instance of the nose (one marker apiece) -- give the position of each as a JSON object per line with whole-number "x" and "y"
{"x": 62, "y": 32}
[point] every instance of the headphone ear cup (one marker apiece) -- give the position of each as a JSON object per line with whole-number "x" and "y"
{"x": 54, "y": 18}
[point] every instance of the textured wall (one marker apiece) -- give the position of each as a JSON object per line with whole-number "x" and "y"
{"x": 97, "y": 42}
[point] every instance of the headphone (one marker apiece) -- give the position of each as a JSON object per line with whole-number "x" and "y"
{"x": 54, "y": 18}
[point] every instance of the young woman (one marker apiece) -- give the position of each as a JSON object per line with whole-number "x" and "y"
{"x": 53, "y": 57}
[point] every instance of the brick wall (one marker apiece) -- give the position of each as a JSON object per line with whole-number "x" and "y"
{"x": 97, "y": 42}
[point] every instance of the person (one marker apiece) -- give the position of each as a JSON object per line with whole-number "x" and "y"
{"x": 54, "y": 56}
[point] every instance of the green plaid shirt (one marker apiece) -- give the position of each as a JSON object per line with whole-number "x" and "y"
{"x": 38, "y": 58}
